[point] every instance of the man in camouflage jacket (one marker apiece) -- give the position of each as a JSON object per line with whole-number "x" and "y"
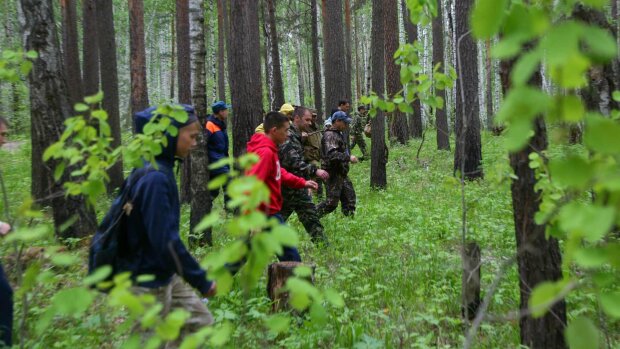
{"x": 292, "y": 159}
{"x": 311, "y": 140}
{"x": 336, "y": 160}
{"x": 357, "y": 132}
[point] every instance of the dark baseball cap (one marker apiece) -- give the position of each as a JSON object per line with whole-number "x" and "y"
{"x": 340, "y": 115}
{"x": 219, "y": 106}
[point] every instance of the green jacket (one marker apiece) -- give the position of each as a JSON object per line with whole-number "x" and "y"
{"x": 357, "y": 127}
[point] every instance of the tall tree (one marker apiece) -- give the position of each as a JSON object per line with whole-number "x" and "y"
{"x": 316, "y": 65}
{"x": 139, "y": 90}
{"x": 221, "y": 54}
{"x": 245, "y": 72}
{"x": 488, "y": 83}
{"x": 334, "y": 57}
{"x": 50, "y": 107}
{"x": 70, "y": 50}
{"x": 538, "y": 257}
{"x": 184, "y": 78}
{"x": 441, "y": 117}
{"x": 276, "y": 87}
{"x": 348, "y": 76}
{"x": 468, "y": 153}
{"x": 378, "y": 173}
{"x": 109, "y": 80}
{"x": 415, "y": 118}
{"x": 397, "y": 120}
{"x": 200, "y": 202}
{"x": 90, "y": 48}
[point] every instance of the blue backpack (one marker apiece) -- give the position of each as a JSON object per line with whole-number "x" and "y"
{"x": 109, "y": 244}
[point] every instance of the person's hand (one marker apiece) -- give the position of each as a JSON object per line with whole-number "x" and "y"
{"x": 312, "y": 185}
{"x": 212, "y": 291}
{"x": 354, "y": 159}
{"x": 322, "y": 174}
{"x": 5, "y": 228}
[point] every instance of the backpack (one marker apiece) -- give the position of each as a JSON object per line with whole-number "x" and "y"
{"x": 108, "y": 245}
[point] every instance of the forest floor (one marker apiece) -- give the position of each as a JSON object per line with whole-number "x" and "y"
{"x": 397, "y": 264}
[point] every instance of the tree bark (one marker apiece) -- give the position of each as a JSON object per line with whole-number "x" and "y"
{"x": 109, "y": 81}
{"x": 200, "y": 202}
{"x": 316, "y": 65}
{"x": 70, "y": 51}
{"x": 441, "y": 117}
{"x": 184, "y": 79}
{"x": 221, "y": 54}
{"x": 538, "y": 257}
{"x": 50, "y": 107}
{"x": 416, "y": 127}
{"x": 348, "y": 49}
{"x": 378, "y": 173}
{"x": 173, "y": 45}
{"x": 468, "y": 153}
{"x": 90, "y": 48}
{"x": 139, "y": 89}
{"x": 489, "y": 84}
{"x": 276, "y": 84}
{"x": 335, "y": 61}
{"x": 396, "y": 119}
{"x": 245, "y": 73}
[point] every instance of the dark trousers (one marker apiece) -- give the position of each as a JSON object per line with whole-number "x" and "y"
{"x": 6, "y": 310}
{"x": 289, "y": 253}
{"x": 299, "y": 201}
{"x": 339, "y": 190}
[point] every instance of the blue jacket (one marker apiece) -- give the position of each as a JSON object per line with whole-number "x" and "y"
{"x": 153, "y": 225}
{"x": 217, "y": 144}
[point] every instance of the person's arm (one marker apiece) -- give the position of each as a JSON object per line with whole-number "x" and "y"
{"x": 162, "y": 229}
{"x": 333, "y": 155}
{"x": 290, "y": 159}
{"x": 292, "y": 181}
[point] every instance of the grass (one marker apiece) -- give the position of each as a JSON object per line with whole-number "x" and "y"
{"x": 397, "y": 263}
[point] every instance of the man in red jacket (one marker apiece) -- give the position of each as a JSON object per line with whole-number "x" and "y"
{"x": 269, "y": 171}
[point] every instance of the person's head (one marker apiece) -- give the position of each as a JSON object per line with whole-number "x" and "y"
{"x": 276, "y": 127}
{"x": 4, "y": 131}
{"x": 220, "y": 110}
{"x": 361, "y": 109}
{"x": 186, "y": 140}
{"x": 302, "y": 118}
{"x": 344, "y": 105}
{"x": 340, "y": 121}
{"x": 287, "y": 109}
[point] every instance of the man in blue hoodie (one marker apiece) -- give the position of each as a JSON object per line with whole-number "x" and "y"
{"x": 217, "y": 144}
{"x": 153, "y": 230}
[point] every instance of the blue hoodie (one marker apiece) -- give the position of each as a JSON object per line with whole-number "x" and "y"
{"x": 217, "y": 144}
{"x": 153, "y": 225}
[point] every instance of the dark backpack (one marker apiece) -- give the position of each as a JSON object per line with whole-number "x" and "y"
{"x": 108, "y": 246}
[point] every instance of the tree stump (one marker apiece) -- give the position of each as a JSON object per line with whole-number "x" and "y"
{"x": 471, "y": 280}
{"x": 277, "y": 274}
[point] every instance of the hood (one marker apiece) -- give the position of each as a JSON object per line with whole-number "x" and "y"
{"x": 168, "y": 153}
{"x": 259, "y": 141}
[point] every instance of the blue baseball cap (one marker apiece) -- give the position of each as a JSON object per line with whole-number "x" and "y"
{"x": 340, "y": 115}
{"x": 219, "y": 106}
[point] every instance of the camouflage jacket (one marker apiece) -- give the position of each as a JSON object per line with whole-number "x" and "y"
{"x": 312, "y": 145}
{"x": 292, "y": 155}
{"x": 359, "y": 121}
{"x": 336, "y": 156}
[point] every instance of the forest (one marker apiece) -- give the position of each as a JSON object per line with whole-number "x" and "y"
{"x": 473, "y": 147}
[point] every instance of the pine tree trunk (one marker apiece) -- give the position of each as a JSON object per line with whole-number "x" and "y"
{"x": 378, "y": 174}
{"x": 300, "y": 75}
{"x": 274, "y": 51}
{"x": 441, "y": 117}
{"x": 50, "y": 107}
{"x": 415, "y": 118}
{"x": 200, "y": 198}
{"x": 70, "y": 51}
{"x": 348, "y": 76}
{"x": 221, "y": 54}
{"x": 245, "y": 73}
{"x": 468, "y": 152}
{"x": 109, "y": 81}
{"x": 335, "y": 61}
{"x": 489, "y": 85}
{"x": 139, "y": 89}
{"x": 173, "y": 55}
{"x": 184, "y": 79}
{"x": 397, "y": 120}
{"x": 316, "y": 65}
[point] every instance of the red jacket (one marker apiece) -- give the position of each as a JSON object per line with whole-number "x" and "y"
{"x": 268, "y": 170}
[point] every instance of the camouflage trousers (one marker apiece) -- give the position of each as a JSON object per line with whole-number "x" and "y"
{"x": 360, "y": 142}
{"x": 299, "y": 201}
{"x": 176, "y": 295}
{"x": 339, "y": 189}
